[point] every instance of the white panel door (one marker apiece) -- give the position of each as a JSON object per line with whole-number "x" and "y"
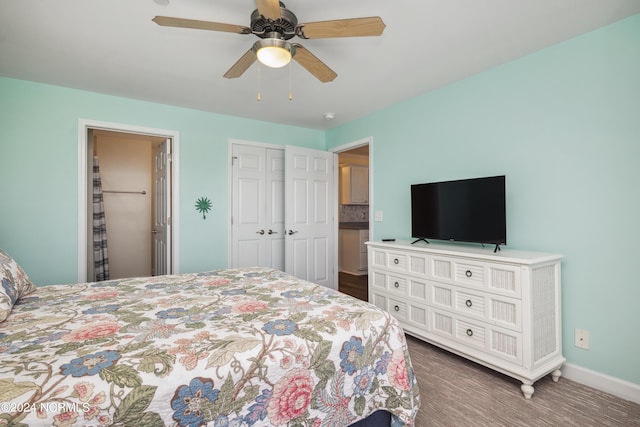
{"x": 258, "y": 207}
{"x": 309, "y": 215}
{"x": 161, "y": 231}
{"x": 248, "y": 213}
{"x": 274, "y": 237}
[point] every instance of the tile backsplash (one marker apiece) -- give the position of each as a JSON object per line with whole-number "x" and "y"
{"x": 354, "y": 213}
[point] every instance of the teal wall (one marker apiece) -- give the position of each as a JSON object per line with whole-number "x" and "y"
{"x": 563, "y": 125}
{"x": 39, "y": 172}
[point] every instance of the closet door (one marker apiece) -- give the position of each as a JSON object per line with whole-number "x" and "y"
{"x": 273, "y": 188}
{"x": 274, "y": 209}
{"x": 248, "y": 221}
{"x": 258, "y": 207}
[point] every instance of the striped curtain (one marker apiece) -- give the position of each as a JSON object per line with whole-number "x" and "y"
{"x": 100, "y": 258}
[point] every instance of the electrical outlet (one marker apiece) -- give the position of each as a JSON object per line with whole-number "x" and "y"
{"x": 378, "y": 216}
{"x": 582, "y": 338}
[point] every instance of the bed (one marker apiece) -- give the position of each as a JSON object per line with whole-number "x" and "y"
{"x": 236, "y": 347}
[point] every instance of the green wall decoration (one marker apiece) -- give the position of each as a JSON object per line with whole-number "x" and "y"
{"x": 203, "y": 204}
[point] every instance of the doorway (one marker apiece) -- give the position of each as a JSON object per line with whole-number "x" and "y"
{"x": 128, "y": 176}
{"x": 281, "y": 210}
{"x": 139, "y": 181}
{"x": 353, "y": 212}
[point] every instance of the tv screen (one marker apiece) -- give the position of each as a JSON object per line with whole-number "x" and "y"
{"x": 468, "y": 210}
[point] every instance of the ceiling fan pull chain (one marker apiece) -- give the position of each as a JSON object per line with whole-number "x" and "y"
{"x": 259, "y": 97}
{"x": 290, "y": 82}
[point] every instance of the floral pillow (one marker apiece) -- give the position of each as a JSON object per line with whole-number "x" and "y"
{"x": 14, "y": 283}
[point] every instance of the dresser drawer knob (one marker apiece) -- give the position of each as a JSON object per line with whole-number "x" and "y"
{"x": 396, "y": 284}
{"x": 469, "y": 332}
{"x": 396, "y": 308}
{"x": 468, "y": 303}
{"x": 396, "y": 261}
{"x": 468, "y": 273}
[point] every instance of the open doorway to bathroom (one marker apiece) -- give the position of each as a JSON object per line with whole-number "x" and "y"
{"x": 156, "y": 152}
{"x": 128, "y": 176}
{"x": 353, "y": 231}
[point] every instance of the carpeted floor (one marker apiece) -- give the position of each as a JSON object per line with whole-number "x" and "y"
{"x": 456, "y": 392}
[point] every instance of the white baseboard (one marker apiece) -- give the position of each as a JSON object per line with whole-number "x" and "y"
{"x": 623, "y": 389}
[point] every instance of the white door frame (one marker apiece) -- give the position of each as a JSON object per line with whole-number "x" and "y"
{"x": 349, "y": 146}
{"x": 83, "y": 128}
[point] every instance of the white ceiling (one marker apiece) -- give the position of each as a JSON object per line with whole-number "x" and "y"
{"x": 113, "y": 47}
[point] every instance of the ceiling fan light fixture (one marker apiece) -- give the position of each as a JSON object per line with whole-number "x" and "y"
{"x": 273, "y": 52}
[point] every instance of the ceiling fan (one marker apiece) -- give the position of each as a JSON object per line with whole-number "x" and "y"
{"x": 274, "y": 24}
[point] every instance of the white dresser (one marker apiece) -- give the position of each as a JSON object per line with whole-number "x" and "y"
{"x": 501, "y": 309}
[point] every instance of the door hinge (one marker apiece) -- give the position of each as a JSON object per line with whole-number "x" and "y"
{"x": 169, "y": 157}
{"x": 169, "y": 221}
{"x": 233, "y": 159}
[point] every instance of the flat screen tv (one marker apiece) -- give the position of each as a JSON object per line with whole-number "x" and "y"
{"x": 467, "y": 210}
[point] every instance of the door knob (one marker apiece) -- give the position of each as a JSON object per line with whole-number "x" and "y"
{"x": 260, "y": 232}
{"x": 291, "y": 232}
{"x": 272, "y": 232}
{"x": 154, "y": 231}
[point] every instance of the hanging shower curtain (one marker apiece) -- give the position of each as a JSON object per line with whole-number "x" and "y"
{"x": 100, "y": 258}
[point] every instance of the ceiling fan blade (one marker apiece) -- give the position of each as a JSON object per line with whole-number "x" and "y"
{"x": 313, "y": 65}
{"x": 168, "y": 21}
{"x": 269, "y": 8}
{"x": 355, "y": 27}
{"x": 241, "y": 65}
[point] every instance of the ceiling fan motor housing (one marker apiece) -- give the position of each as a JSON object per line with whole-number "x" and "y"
{"x": 265, "y": 27}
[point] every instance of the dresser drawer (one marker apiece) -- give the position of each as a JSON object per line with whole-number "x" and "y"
{"x": 493, "y": 309}
{"x": 394, "y": 284}
{"x": 462, "y": 332}
{"x": 388, "y": 260}
{"x": 399, "y": 285}
{"x": 414, "y": 263}
{"x": 408, "y": 312}
{"x": 469, "y": 332}
{"x": 489, "y": 308}
{"x": 458, "y": 271}
{"x": 497, "y": 278}
{"x": 397, "y": 261}
{"x": 397, "y": 308}
{"x": 469, "y": 304}
{"x": 468, "y": 273}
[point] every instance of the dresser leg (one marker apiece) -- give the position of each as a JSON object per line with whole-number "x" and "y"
{"x": 527, "y": 390}
{"x": 555, "y": 375}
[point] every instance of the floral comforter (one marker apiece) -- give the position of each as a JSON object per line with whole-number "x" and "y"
{"x": 244, "y": 347}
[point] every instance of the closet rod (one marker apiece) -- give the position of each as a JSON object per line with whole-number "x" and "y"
{"x": 127, "y": 192}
